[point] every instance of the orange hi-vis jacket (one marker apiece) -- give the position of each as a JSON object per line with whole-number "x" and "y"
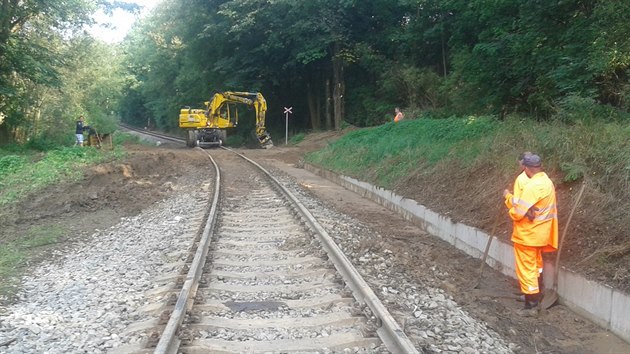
{"x": 519, "y": 184}
{"x": 539, "y": 227}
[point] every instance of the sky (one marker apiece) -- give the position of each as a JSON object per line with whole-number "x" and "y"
{"x": 121, "y": 21}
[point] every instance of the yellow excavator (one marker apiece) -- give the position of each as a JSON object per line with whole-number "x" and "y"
{"x": 207, "y": 127}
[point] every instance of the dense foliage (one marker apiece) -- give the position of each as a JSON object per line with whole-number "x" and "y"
{"x": 356, "y": 60}
{"x": 51, "y": 71}
{"x": 332, "y": 61}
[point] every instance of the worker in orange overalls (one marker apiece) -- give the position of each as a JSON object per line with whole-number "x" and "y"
{"x": 535, "y": 217}
{"x": 399, "y": 115}
{"x": 511, "y": 198}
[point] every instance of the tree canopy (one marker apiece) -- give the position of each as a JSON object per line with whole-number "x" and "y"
{"x": 51, "y": 71}
{"x": 356, "y": 60}
{"x": 333, "y": 61}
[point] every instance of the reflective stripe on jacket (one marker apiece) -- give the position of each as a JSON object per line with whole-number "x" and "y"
{"x": 535, "y": 214}
{"x": 519, "y": 184}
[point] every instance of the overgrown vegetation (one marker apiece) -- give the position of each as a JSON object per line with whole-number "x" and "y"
{"x": 358, "y": 60}
{"x": 23, "y": 172}
{"x": 595, "y": 150}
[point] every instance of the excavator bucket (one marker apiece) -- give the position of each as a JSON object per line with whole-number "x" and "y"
{"x": 265, "y": 141}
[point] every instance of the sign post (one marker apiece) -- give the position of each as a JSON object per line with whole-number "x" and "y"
{"x": 287, "y": 111}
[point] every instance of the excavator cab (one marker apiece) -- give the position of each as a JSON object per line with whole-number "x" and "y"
{"x": 208, "y": 127}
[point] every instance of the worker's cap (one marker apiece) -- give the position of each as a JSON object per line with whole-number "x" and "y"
{"x": 532, "y": 160}
{"x": 522, "y": 156}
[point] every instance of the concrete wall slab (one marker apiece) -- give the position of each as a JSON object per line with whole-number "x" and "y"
{"x": 600, "y": 303}
{"x": 588, "y": 298}
{"x": 620, "y": 316}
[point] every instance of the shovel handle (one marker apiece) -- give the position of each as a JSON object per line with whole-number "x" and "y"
{"x": 485, "y": 253}
{"x": 564, "y": 233}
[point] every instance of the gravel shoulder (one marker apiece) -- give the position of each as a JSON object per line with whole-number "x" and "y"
{"x": 426, "y": 261}
{"x": 122, "y": 215}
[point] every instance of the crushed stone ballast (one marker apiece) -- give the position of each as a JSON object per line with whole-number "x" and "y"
{"x": 264, "y": 276}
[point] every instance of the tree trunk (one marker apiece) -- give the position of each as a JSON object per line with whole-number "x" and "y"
{"x": 4, "y": 133}
{"x": 443, "y": 51}
{"x": 328, "y": 105}
{"x": 318, "y": 106}
{"x": 312, "y": 106}
{"x": 338, "y": 88}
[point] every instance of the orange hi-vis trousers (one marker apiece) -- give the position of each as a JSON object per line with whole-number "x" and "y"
{"x": 529, "y": 265}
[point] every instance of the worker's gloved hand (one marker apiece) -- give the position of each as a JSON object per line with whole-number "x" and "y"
{"x": 531, "y": 213}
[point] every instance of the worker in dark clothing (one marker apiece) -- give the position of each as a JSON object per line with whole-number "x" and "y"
{"x": 80, "y": 127}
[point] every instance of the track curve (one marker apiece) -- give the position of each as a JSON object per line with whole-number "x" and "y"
{"x": 273, "y": 281}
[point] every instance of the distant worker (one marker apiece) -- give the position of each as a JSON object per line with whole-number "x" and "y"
{"x": 535, "y": 217}
{"x": 80, "y": 127}
{"x": 399, "y": 115}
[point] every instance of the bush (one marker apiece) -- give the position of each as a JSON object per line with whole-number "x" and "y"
{"x": 296, "y": 138}
{"x": 11, "y": 164}
{"x": 573, "y": 109}
{"x": 121, "y": 138}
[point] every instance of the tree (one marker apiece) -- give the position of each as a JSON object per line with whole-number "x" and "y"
{"x": 33, "y": 57}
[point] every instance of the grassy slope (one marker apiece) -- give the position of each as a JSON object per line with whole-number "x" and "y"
{"x": 460, "y": 166}
{"x": 23, "y": 173}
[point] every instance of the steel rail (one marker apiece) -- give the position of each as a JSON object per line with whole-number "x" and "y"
{"x": 169, "y": 343}
{"x": 150, "y": 133}
{"x": 389, "y": 331}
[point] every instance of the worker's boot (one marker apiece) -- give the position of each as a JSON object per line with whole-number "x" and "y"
{"x": 531, "y": 305}
{"x": 531, "y": 301}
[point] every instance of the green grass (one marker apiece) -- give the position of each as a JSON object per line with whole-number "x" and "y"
{"x": 39, "y": 236}
{"x": 13, "y": 254}
{"x": 26, "y": 171}
{"x": 295, "y": 139}
{"x": 597, "y": 151}
{"x": 390, "y": 151}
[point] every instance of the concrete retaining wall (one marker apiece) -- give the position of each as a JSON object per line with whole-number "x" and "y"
{"x": 601, "y": 304}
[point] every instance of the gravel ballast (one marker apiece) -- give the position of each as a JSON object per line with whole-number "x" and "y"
{"x": 83, "y": 302}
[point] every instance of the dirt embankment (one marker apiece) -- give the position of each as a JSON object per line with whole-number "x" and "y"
{"x": 597, "y": 243}
{"x": 108, "y": 192}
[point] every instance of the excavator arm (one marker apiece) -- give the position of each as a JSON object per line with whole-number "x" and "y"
{"x": 208, "y": 127}
{"x": 252, "y": 99}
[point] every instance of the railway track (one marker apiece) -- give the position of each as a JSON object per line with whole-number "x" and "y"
{"x": 264, "y": 276}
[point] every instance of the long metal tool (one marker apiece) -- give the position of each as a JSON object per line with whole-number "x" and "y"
{"x": 550, "y": 298}
{"x": 485, "y": 253}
